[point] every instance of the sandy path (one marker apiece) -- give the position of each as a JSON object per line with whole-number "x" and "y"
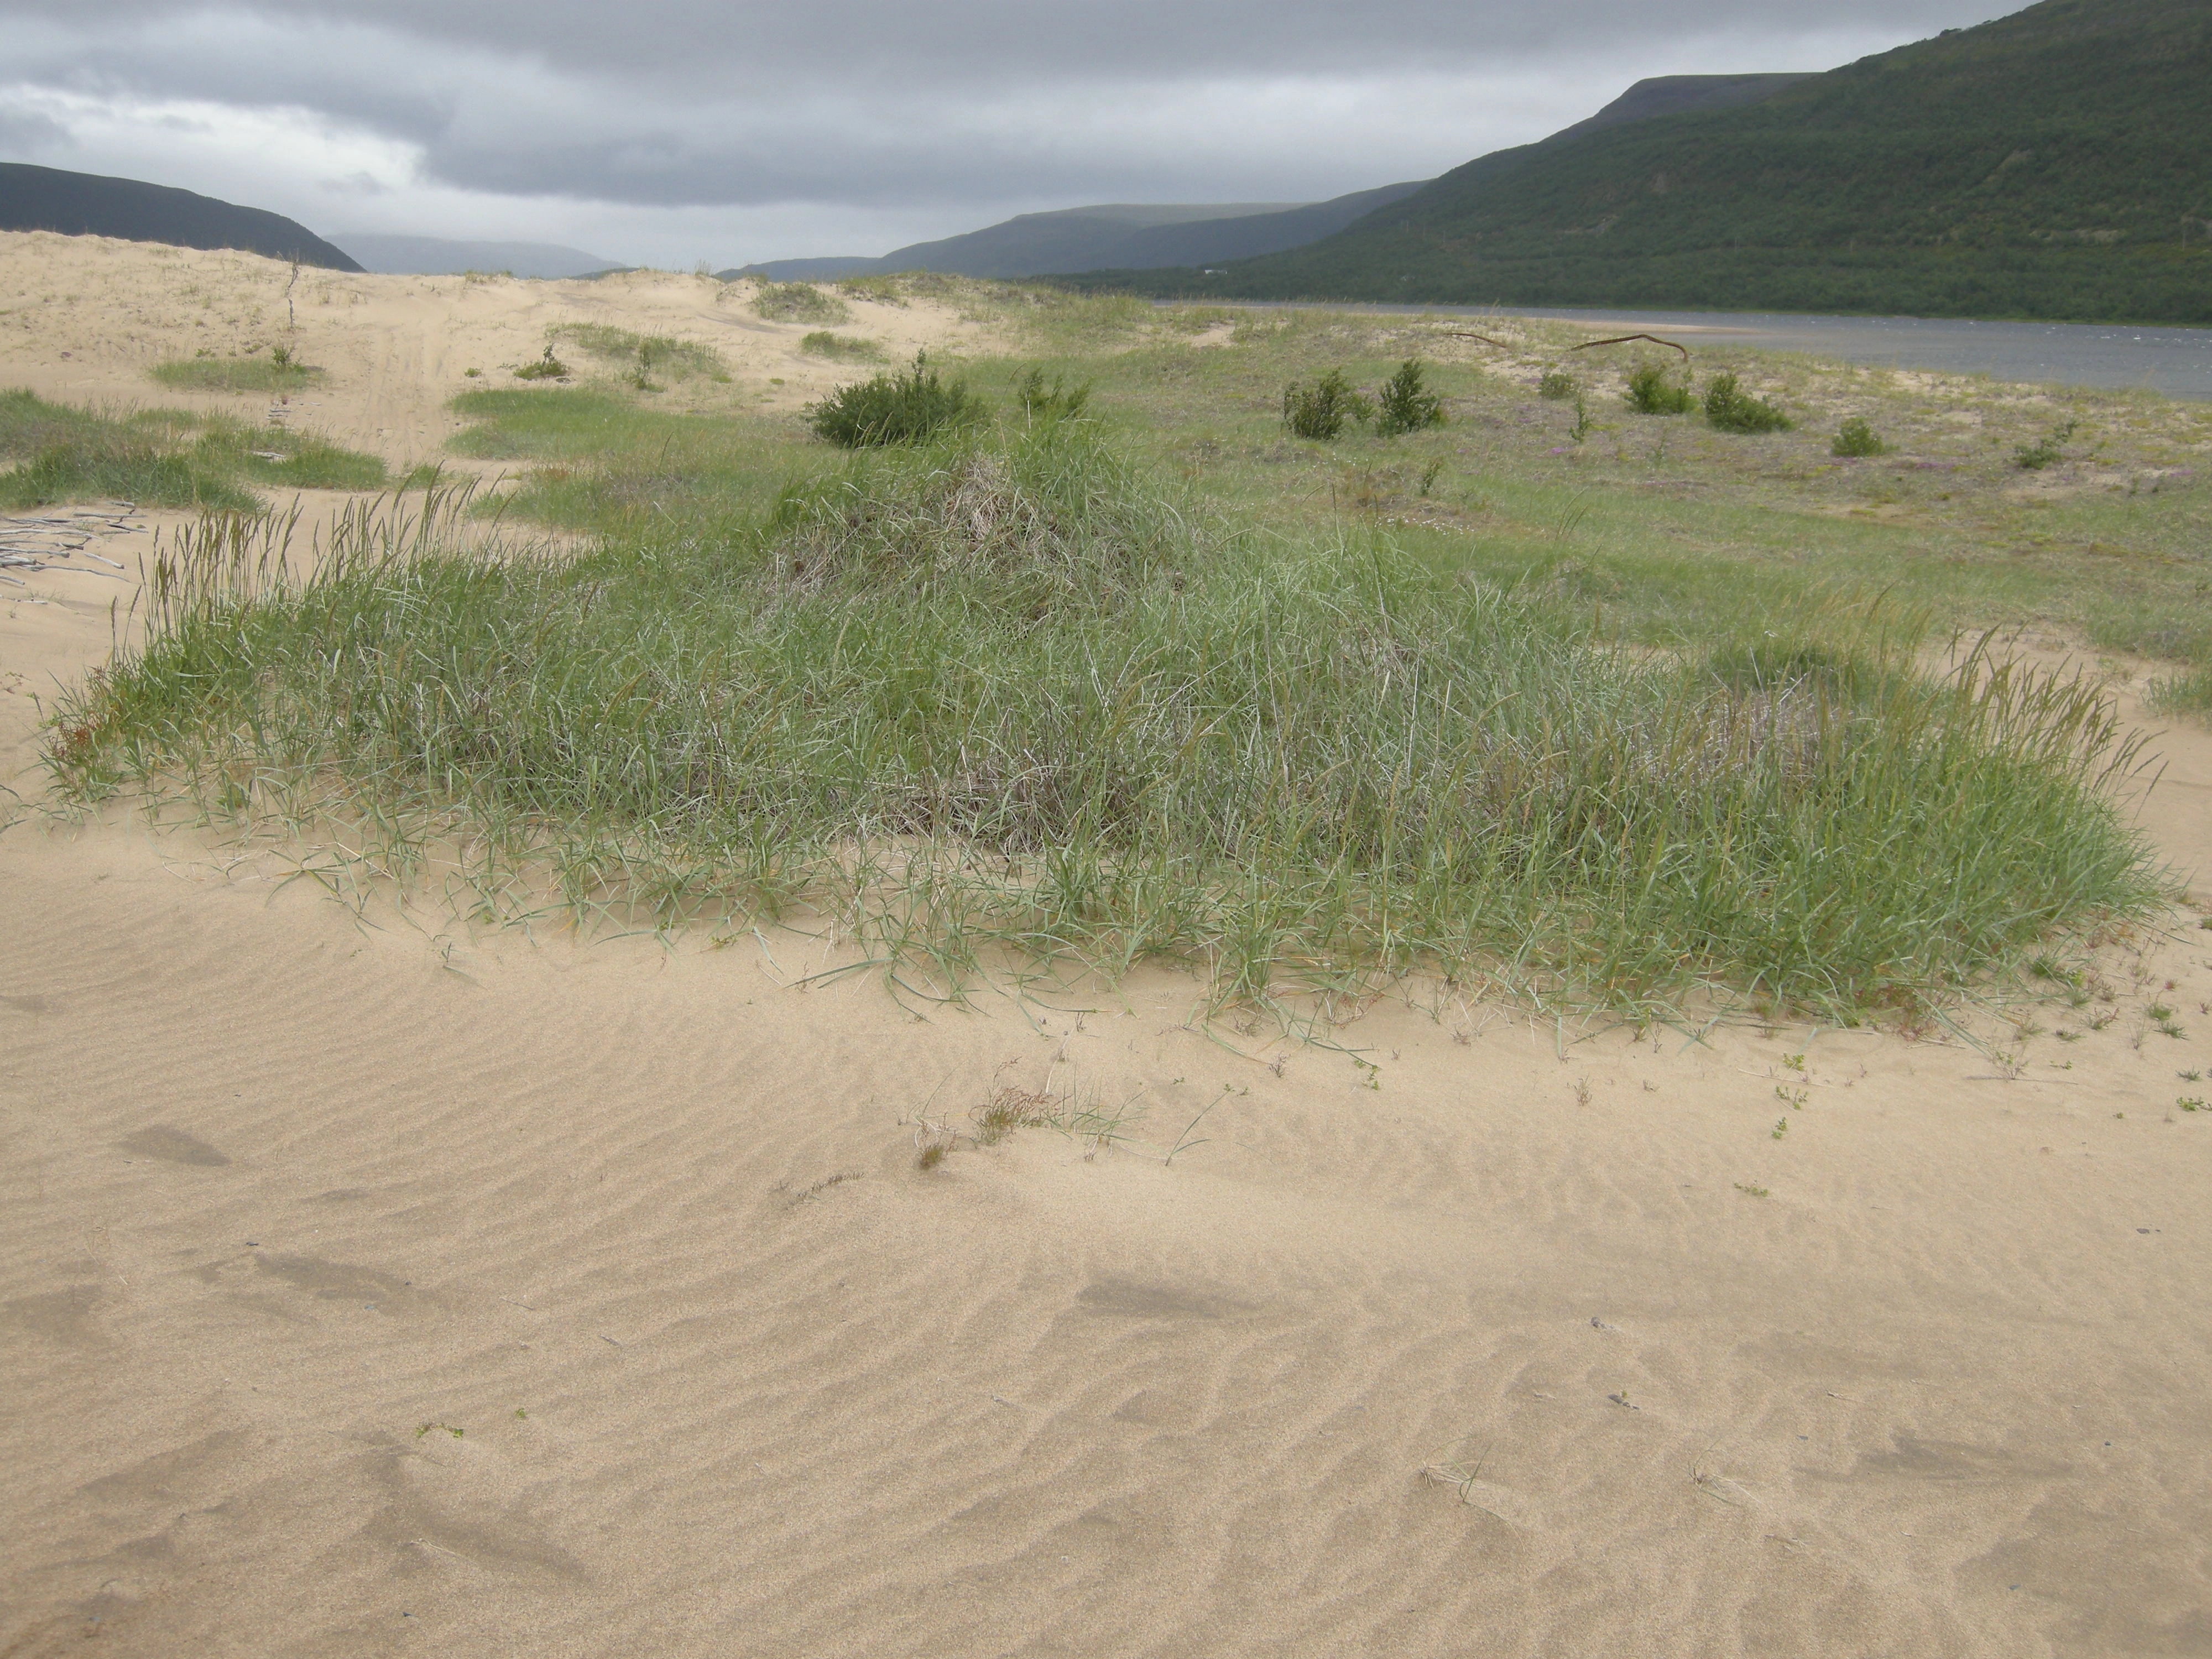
{"x": 287, "y": 1199}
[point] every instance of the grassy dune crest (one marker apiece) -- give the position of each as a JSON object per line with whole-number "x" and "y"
{"x": 1013, "y": 699}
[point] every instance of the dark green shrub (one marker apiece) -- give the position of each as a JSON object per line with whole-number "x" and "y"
{"x": 1320, "y": 410}
{"x": 1405, "y": 404}
{"x": 1557, "y": 385}
{"x": 2044, "y": 452}
{"x": 1856, "y": 437}
{"x": 1056, "y": 401}
{"x": 1732, "y": 409}
{"x": 1651, "y": 392}
{"x": 895, "y": 409}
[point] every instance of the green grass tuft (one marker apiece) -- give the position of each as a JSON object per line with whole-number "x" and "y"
{"x": 840, "y": 348}
{"x": 1016, "y": 695}
{"x": 800, "y": 303}
{"x": 161, "y": 457}
{"x": 275, "y": 372}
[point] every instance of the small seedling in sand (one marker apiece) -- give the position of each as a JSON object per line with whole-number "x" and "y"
{"x": 447, "y": 1427}
{"x": 1795, "y": 1099}
{"x": 1582, "y": 1092}
{"x": 1781, "y": 1127}
{"x": 2191, "y": 1076}
{"x": 2192, "y": 1103}
{"x": 548, "y": 367}
{"x": 1794, "y": 1062}
{"x": 1755, "y": 1192}
{"x": 2065, "y": 1035}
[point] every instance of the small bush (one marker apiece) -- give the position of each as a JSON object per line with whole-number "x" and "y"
{"x": 1320, "y": 410}
{"x": 799, "y": 302}
{"x": 548, "y": 367}
{"x": 1651, "y": 392}
{"x": 2044, "y": 452}
{"x": 1557, "y": 385}
{"x": 275, "y": 372}
{"x": 895, "y": 409}
{"x": 1732, "y": 409}
{"x": 1405, "y": 404}
{"x": 1856, "y": 437}
{"x": 1056, "y": 401}
{"x": 840, "y": 348}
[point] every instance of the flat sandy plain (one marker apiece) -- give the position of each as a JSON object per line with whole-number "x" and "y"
{"x": 369, "y": 1285}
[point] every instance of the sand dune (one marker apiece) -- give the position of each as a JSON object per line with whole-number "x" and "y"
{"x": 368, "y": 1285}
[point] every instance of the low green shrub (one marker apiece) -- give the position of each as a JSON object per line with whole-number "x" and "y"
{"x": 1557, "y": 385}
{"x": 1856, "y": 437}
{"x": 840, "y": 348}
{"x": 1731, "y": 409}
{"x": 800, "y": 303}
{"x": 1321, "y": 411}
{"x": 1651, "y": 392}
{"x": 1405, "y": 404}
{"x": 2046, "y": 450}
{"x": 895, "y": 409}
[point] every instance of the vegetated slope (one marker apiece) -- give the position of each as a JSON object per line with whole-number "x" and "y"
{"x": 1125, "y": 235}
{"x": 88, "y": 204}
{"x": 436, "y": 255}
{"x": 2054, "y": 163}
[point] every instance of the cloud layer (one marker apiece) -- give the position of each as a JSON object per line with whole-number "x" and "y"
{"x": 666, "y": 130}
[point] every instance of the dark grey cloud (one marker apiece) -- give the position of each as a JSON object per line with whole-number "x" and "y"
{"x": 966, "y": 108}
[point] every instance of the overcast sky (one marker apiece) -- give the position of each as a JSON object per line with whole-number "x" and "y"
{"x": 671, "y": 131}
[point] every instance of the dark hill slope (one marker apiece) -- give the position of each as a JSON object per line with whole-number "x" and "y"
{"x": 87, "y": 204}
{"x": 2054, "y": 163}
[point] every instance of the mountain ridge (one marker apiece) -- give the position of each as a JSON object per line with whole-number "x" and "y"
{"x": 130, "y": 209}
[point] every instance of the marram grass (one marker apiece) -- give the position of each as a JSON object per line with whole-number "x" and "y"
{"x": 1004, "y": 701}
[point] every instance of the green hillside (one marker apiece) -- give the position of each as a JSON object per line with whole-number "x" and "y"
{"x": 2054, "y": 163}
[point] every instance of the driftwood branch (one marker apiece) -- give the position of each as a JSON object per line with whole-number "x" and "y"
{"x": 1468, "y": 334}
{"x": 1623, "y": 339}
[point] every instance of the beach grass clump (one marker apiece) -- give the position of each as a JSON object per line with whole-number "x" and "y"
{"x": 800, "y": 303}
{"x": 1012, "y": 700}
{"x": 641, "y": 356}
{"x": 276, "y": 372}
{"x": 2188, "y": 691}
{"x": 1652, "y": 390}
{"x": 840, "y": 348}
{"x": 911, "y": 406}
{"x": 1730, "y": 408}
{"x": 2046, "y": 450}
{"x": 161, "y": 457}
{"x": 1557, "y": 386}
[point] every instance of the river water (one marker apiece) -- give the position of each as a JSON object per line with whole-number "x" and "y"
{"x": 2177, "y": 361}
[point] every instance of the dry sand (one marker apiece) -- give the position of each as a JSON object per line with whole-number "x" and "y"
{"x": 368, "y": 1287}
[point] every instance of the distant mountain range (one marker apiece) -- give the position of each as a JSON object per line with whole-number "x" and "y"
{"x": 87, "y": 204}
{"x": 434, "y": 256}
{"x": 1124, "y": 235}
{"x": 2054, "y": 163}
